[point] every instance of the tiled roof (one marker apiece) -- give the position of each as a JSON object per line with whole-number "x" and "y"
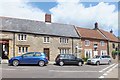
{"x": 109, "y": 35}
{"x": 90, "y": 33}
{"x": 37, "y": 27}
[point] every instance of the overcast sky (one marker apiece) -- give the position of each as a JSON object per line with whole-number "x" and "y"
{"x": 75, "y": 12}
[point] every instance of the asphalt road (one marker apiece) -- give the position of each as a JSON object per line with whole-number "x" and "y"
{"x": 54, "y": 71}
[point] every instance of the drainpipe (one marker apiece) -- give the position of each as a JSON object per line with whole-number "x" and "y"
{"x": 72, "y": 46}
{"x": 108, "y": 47}
{"x": 13, "y": 44}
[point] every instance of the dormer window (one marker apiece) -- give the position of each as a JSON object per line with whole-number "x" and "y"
{"x": 22, "y": 37}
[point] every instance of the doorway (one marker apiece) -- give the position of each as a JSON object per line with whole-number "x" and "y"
{"x": 4, "y": 49}
{"x": 47, "y": 52}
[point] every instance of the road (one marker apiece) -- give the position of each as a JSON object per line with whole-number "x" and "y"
{"x": 54, "y": 71}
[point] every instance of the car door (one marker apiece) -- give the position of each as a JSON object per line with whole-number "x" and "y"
{"x": 102, "y": 60}
{"x": 28, "y": 58}
{"x": 72, "y": 59}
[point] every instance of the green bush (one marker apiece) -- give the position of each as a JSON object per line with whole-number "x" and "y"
{"x": 85, "y": 59}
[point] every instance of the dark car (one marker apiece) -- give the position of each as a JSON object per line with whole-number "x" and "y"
{"x": 29, "y": 58}
{"x": 62, "y": 59}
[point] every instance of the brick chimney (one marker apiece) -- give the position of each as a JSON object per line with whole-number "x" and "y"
{"x": 96, "y": 25}
{"x": 48, "y": 18}
{"x": 111, "y": 31}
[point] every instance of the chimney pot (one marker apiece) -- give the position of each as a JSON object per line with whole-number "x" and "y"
{"x": 96, "y": 25}
{"x": 111, "y": 31}
{"x": 48, "y": 18}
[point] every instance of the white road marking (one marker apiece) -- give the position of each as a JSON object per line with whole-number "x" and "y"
{"x": 70, "y": 71}
{"x": 106, "y": 73}
{"x": 112, "y": 68}
{"x": 101, "y": 77}
{"x": 106, "y": 68}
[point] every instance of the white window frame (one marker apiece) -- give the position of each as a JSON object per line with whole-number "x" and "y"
{"x": 104, "y": 52}
{"x": 20, "y": 37}
{"x": 64, "y": 40}
{"x": 102, "y": 43}
{"x": 89, "y": 53}
{"x": 88, "y": 42}
{"x": 46, "y": 39}
{"x": 64, "y": 51}
{"x": 20, "y": 49}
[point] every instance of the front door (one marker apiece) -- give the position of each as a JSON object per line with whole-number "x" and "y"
{"x": 95, "y": 53}
{"x": 47, "y": 52}
{"x": 4, "y": 49}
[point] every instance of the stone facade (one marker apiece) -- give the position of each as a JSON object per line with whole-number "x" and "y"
{"x": 36, "y": 43}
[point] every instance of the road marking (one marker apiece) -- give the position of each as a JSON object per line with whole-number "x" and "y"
{"x": 101, "y": 77}
{"x": 112, "y": 68}
{"x": 106, "y": 68}
{"x": 106, "y": 73}
{"x": 70, "y": 71}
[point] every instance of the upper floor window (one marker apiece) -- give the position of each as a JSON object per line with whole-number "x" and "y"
{"x": 63, "y": 40}
{"x": 46, "y": 39}
{"x": 87, "y": 43}
{"x": 113, "y": 45}
{"x": 22, "y": 37}
{"x": 102, "y": 43}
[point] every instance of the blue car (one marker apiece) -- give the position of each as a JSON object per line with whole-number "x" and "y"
{"x": 29, "y": 58}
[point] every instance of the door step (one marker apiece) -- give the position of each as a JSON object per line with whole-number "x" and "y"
{"x": 4, "y": 61}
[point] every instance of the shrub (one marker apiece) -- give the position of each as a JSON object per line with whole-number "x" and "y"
{"x": 85, "y": 59}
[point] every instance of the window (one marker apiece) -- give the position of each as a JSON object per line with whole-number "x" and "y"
{"x": 30, "y": 54}
{"x": 46, "y": 39}
{"x": 38, "y": 54}
{"x": 22, "y": 37}
{"x": 102, "y": 43}
{"x": 113, "y": 45}
{"x": 64, "y": 51}
{"x": 63, "y": 40}
{"x": 87, "y": 43}
{"x": 22, "y": 50}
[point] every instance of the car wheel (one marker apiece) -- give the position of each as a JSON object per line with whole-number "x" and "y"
{"x": 109, "y": 62}
{"x": 15, "y": 63}
{"x": 97, "y": 63}
{"x": 41, "y": 63}
{"x": 79, "y": 63}
{"x": 61, "y": 63}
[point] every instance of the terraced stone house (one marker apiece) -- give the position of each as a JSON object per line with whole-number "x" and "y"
{"x": 20, "y": 36}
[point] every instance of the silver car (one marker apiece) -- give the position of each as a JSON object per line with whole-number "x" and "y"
{"x": 103, "y": 59}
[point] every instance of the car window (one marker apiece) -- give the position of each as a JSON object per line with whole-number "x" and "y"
{"x": 103, "y": 56}
{"x": 30, "y": 54}
{"x": 37, "y": 54}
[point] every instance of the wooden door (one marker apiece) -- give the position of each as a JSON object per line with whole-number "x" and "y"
{"x": 47, "y": 51}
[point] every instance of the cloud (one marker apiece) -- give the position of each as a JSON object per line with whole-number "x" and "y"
{"x": 20, "y": 9}
{"x": 76, "y": 13}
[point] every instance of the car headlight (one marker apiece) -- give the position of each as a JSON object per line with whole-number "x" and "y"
{"x": 93, "y": 60}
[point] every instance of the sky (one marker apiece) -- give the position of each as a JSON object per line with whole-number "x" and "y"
{"x": 74, "y": 12}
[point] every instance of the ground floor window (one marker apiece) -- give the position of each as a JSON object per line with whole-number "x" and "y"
{"x": 88, "y": 53}
{"x": 103, "y": 52}
{"x": 64, "y": 51}
{"x": 22, "y": 49}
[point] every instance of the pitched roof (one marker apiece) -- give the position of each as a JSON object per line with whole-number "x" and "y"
{"x": 109, "y": 35}
{"x": 90, "y": 33}
{"x": 37, "y": 27}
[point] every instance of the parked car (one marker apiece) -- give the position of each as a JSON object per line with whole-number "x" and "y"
{"x": 0, "y": 60}
{"x": 62, "y": 59}
{"x": 103, "y": 59}
{"x": 29, "y": 58}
